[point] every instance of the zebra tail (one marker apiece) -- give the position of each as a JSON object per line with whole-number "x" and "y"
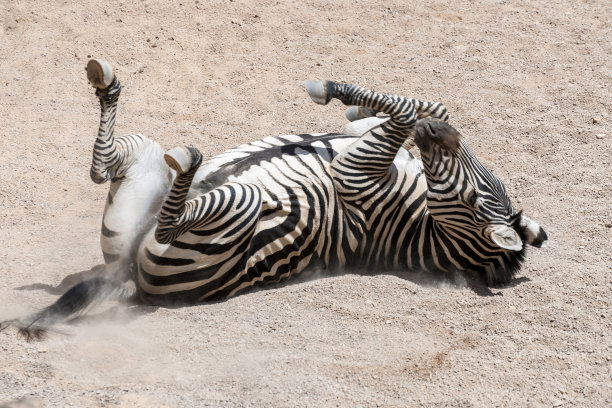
{"x": 77, "y": 300}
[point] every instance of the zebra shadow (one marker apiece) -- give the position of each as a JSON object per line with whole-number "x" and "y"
{"x": 457, "y": 279}
{"x": 132, "y": 309}
{"x": 129, "y": 310}
{"x": 68, "y": 282}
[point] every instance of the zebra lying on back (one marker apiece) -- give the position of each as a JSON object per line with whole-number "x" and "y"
{"x": 186, "y": 231}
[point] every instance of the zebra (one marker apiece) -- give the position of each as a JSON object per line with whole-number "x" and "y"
{"x": 180, "y": 229}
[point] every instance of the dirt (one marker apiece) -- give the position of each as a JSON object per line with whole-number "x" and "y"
{"x": 526, "y": 82}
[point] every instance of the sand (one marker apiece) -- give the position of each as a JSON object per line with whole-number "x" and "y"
{"x": 526, "y": 82}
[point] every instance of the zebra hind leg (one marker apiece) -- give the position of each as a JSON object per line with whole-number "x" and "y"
{"x": 77, "y": 300}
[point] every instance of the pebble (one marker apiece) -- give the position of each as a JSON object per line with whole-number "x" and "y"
{"x": 600, "y": 135}
{"x": 595, "y": 120}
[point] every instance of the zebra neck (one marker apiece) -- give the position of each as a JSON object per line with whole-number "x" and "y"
{"x": 441, "y": 249}
{"x": 423, "y": 252}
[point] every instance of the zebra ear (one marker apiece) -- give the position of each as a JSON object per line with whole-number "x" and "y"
{"x": 535, "y": 235}
{"x": 506, "y": 237}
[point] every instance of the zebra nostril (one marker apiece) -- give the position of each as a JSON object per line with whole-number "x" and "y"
{"x": 431, "y": 130}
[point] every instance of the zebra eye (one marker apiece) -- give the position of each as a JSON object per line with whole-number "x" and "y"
{"x": 471, "y": 200}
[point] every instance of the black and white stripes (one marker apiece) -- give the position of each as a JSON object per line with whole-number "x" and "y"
{"x": 187, "y": 231}
{"x": 267, "y": 210}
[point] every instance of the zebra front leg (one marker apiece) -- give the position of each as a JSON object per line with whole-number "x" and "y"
{"x": 362, "y": 118}
{"x": 374, "y": 152}
{"x": 74, "y": 302}
{"x": 367, "y": 103}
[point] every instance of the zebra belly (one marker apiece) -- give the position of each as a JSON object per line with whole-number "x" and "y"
{"x": 301, "y": 221}
{"x": 130, "y": 208}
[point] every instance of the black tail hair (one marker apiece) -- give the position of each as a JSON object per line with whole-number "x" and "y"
{"x": 72, "y": 303}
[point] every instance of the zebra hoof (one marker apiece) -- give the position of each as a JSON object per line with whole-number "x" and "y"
{"x": 179, "y": 159}
{"x": 99, "y": 73}
{"x": 318, "y": 92}
{"x": 354, "y": 113}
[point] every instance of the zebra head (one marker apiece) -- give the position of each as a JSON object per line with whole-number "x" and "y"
{"x": 471, "y": 205}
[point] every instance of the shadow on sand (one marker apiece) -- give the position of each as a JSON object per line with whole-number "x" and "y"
{"x": 130, "y": 310}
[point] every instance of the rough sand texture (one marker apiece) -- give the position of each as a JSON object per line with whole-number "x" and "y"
{"x": 526, "y": 82}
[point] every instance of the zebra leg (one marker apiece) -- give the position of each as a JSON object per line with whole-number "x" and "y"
{"x": 106, "y": 154}
{"x": 366, "y": 103}
{"x": 375, "y": 151}
{"x": 228, "y": 205}
{"x": 362, "y": 118}
{"x": 185, "y": 161}
{"x": 74, "y": 302}
{"x": 210, "y": 232}
{"x": 179, "y": 215}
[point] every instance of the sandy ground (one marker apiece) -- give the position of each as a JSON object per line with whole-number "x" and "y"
{"x": 526, "y": 82}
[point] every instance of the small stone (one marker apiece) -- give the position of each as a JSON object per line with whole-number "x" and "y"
{"x": 600, "y": 135}
{"x": 388, "y": 321}
{"x": 595, "y": 120}
{"x": 557, "y": 403}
